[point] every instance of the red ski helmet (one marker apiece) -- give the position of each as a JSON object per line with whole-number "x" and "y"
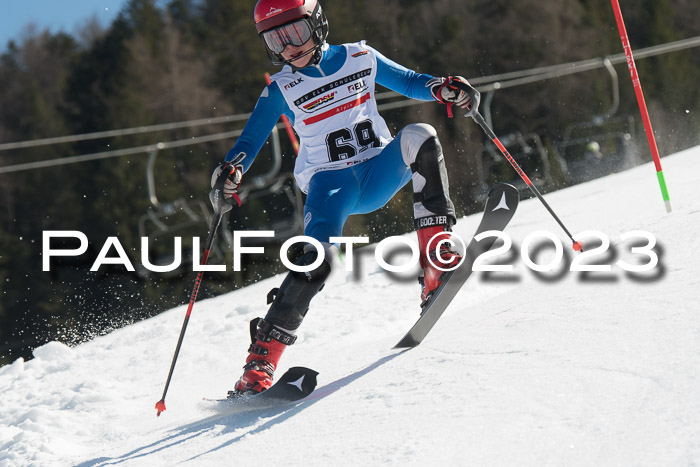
{"x": 283, "y": 22}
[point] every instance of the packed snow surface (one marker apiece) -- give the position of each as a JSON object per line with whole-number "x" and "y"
{"x": 564, "y": 368}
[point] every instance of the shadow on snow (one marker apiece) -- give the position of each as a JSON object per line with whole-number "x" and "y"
{"x": 247, "y": 421}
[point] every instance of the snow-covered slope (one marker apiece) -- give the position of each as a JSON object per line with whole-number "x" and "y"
{"x": 601, "y": 370}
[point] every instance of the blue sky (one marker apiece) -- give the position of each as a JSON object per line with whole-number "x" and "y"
{"x": 56, "y": 15}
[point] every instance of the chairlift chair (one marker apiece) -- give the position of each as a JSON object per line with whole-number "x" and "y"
{"x": 602, "y": 145}
{"x": 274, "y": 190}
{"x": 162, "y": 222}
{"x": 528, "y": 151}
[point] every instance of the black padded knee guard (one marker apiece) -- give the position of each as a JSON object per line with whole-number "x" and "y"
{"x": 435, "y": 195}
{"x": 291, "y": 301}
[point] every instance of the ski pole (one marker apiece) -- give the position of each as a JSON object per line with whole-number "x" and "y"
{"x": 641, "y": 103}
{"x": 474, "y": 113}
{"x": 220, "y": 208}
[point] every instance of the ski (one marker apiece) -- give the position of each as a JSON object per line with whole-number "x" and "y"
{"x": 500, "y": 206}
{"x": 296, "y": 384}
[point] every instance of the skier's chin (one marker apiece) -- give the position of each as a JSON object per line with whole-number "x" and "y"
{"x": 300, "y": 58}
{"x": 301, "y": 62}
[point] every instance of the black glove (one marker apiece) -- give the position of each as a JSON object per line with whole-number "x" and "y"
{"x": 454, "y": 90}
{"x": 233, "y": 181}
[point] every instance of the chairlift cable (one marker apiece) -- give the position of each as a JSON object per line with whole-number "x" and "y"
{"x": 512, "y": 79}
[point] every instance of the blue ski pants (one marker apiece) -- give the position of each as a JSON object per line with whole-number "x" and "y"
{"x": 334, "y": 195}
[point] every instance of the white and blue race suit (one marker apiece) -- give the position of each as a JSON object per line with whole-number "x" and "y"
{"x": 348, "y": 162}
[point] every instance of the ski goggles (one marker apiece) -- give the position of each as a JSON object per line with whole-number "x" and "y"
{"x": 296, "y": 33}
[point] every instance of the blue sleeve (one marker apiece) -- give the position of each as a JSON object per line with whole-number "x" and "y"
{"x": 398, "y": 78}
{"x": 270, "y": 106}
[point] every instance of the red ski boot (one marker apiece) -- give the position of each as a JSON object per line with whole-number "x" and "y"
{"x": 268, "y": 344}
{"x": 434, "y": 261}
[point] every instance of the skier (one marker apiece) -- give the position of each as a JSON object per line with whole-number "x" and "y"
{"x": 348, "y": 161}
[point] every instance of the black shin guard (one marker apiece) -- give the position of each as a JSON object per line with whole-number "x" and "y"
{"x": 435, "y": 195}
{"x": 291, "y": 301}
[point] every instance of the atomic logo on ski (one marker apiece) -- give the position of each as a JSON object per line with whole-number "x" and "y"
{"x": 297, "y": 383}
{"x": 502, "y": 204}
